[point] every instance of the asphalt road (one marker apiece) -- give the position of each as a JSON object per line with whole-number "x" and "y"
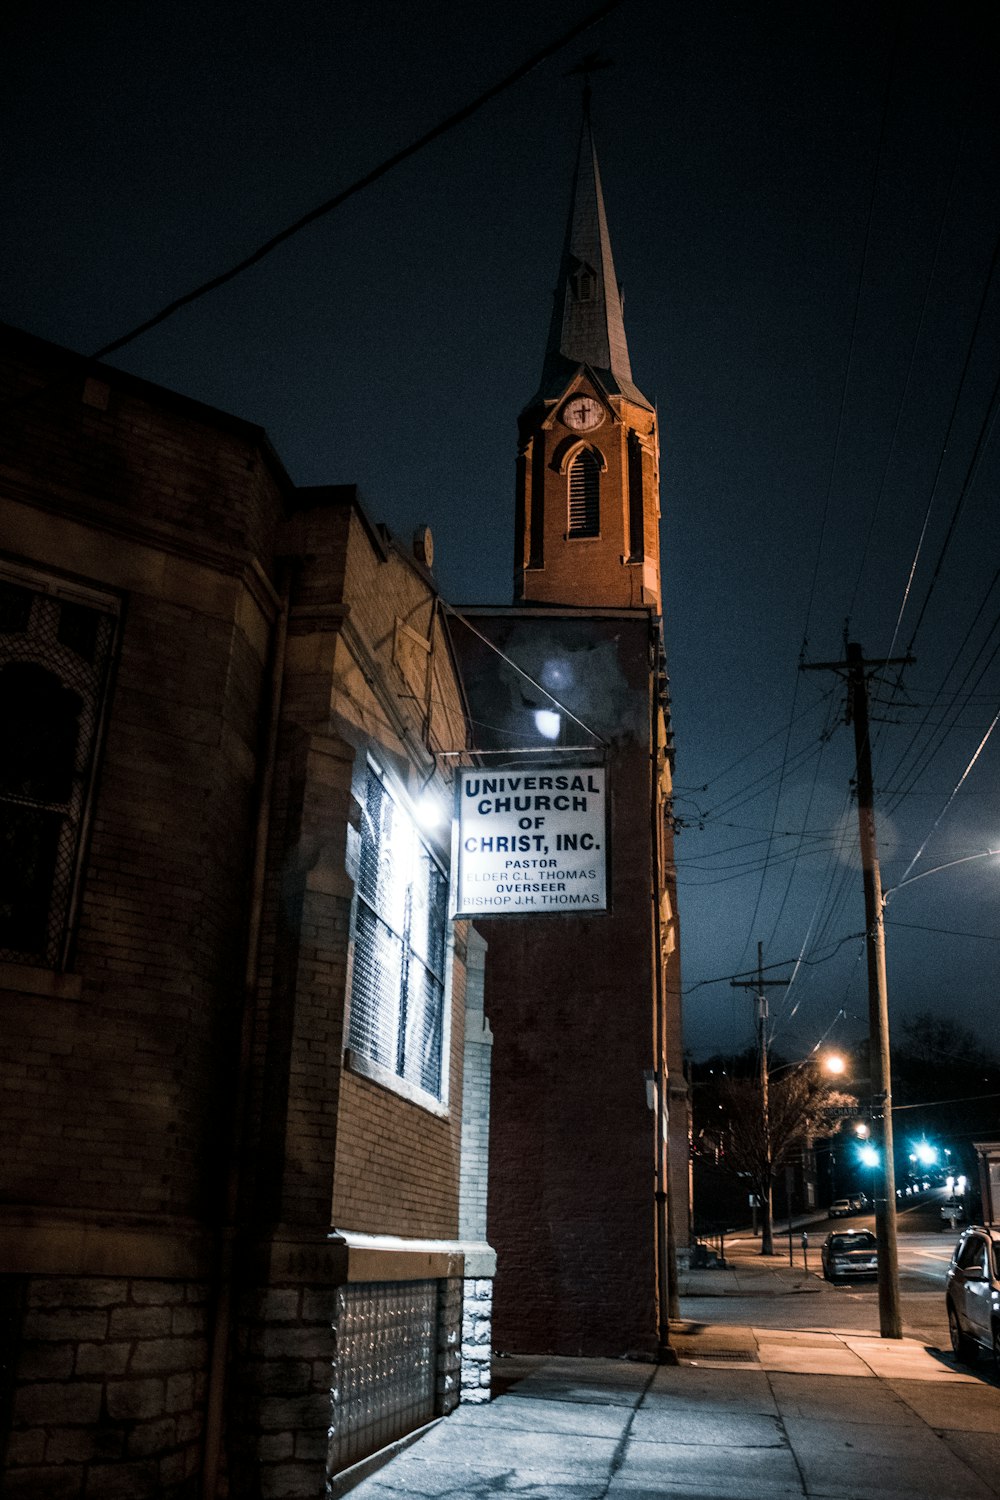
{"x": 924, "y": 1250}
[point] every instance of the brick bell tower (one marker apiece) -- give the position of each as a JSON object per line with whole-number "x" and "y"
{"x": 587, "y": 508}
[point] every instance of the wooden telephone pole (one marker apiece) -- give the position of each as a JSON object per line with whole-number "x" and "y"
{"x": 760, "y": 986}
{"x": 856, "y": 670}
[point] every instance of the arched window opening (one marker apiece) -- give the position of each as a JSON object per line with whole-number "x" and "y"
{"x": 584, "y": 284}
{"x": 54, "y": 660}
{"x": 584, "y": 495}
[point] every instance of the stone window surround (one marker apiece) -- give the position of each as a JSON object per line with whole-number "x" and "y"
{"x": 43, "y": 978}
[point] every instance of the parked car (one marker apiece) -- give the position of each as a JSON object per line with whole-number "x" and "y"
{"x": 840, "y": 1208}
{"x": 850, "y": 1252}
{"x": 972, "y": 1293}
{"x": 859, "y": 1202}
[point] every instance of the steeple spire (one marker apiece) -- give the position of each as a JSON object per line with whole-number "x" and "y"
{"x": 586, "y": 526}
{"x": 587, "y": 326}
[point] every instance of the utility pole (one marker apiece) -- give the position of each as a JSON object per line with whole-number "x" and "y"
{"x": 760, "y": 986}
{"x": 856, "y": 670}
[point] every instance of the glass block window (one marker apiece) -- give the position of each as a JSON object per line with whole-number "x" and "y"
{"x": 398, "y": 977}
{"x": 55, "y": 653}
{"x": 384, "y": 1376}
{"x": 584, "y": 495}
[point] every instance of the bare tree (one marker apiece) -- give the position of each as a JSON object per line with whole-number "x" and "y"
{"x": 802, "y": 1104}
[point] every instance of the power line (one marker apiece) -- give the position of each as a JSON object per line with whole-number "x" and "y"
{"x": 755, "y": 749}
{"x": 852, "y": 344}
{"x": 781, "y": 964}
{"x": 443, "y": 127}
{"x": 984, "y": 937}
{"x": 912, "y": 363}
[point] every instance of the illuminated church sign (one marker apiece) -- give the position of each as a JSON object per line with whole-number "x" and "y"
{"x": 531, "y": 843}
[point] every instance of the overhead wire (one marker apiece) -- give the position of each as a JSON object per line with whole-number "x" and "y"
{"x": 443, "y": 127}
{"x": 754, "y": 749}
{"x": 890, "y": 452}
{"x": 978, "y": 751}
{"x": 852, "y": 345}
{"x": 936, "y": 741}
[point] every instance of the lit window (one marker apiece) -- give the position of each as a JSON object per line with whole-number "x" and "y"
{"x": 397, "y": 986}
{"x": 54, "y": 658}
{"x": 584, "y": 495}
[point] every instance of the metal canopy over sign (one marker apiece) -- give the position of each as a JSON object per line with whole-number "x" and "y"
{"x": 531, "y": 842}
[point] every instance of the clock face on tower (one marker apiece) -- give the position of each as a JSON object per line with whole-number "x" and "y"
{"x": 582, "y": 413}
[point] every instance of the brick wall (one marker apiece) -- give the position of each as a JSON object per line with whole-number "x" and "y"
{"x": 119, "y": 1079}
{"x": 111, "y": 438}
{"x": 115, "y": 1085}
{"x": 571, "y": 1003}
{"x": 599, "y": 571}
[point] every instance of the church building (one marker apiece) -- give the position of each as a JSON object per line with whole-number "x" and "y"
{"x": 589, "y": 1123}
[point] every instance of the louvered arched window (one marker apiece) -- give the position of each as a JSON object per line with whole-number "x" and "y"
{"x": 584, "y": 495}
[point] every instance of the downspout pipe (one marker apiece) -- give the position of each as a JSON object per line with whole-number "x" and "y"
{"x": 222, "y": 1323}
{"x": 665, "y": 1282}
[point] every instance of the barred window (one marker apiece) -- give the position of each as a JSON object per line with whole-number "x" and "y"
{"x": 584, "y": 495}
{"x": 398, "y": 979}
{"x": 55, "y": 653}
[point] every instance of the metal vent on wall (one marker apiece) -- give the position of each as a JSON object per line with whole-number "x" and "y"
{"x": 584, "y": 495}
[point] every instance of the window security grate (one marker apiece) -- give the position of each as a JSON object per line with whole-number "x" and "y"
{"x": 397, "y": 991}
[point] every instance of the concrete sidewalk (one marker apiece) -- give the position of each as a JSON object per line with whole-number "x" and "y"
{"x": 749, "y": 1413}
{"x": 747, "y": 1273}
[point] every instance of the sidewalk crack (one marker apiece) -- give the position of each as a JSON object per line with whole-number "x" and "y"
{"x": 618, "y": 1457}
{"x": 784, "y": 1433}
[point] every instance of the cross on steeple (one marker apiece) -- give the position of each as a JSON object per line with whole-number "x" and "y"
{"x": 587, "y": 517}
{"x": 587, "y": 325}
{"x": 593, "y": 62}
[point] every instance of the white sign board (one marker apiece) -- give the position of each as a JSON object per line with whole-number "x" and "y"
{"x": 531, "y": 842}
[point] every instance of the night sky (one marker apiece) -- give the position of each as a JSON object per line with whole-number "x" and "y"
{"x": 804, "y": 211}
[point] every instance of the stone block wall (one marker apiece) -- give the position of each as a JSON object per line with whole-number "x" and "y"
{"x": 477, "y": 1338}
{"x": 109, "y": 1386}
{"x": 282, "y": 1410}
{"x": 449, "y": 1345}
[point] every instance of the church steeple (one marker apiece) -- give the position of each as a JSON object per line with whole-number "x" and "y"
{"x": 587, "y": 325}
{"x": 587, "y": 515}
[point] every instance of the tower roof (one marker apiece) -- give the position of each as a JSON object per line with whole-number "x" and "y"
{"x": 587, "y": 325}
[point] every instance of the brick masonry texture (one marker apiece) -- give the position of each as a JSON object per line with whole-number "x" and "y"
{"x": 109, "y": 1399}
{"x": 571, "y": 1005}
{"x": 604, "y": 570}
{"x": 120, "y": 1078}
